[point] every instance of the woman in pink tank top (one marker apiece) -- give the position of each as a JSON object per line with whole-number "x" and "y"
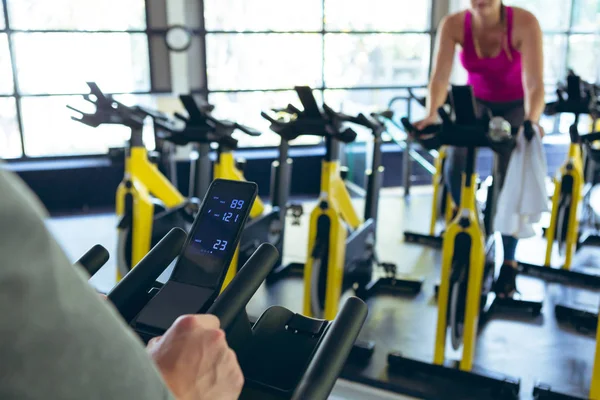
{"x": 501, "y": 49}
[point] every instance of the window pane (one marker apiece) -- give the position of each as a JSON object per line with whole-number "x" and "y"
{"x": 63, "y": 62}
{"x": 245, "y": 108}
{"x": 50, "y": 131}
{"x": 77, "y": 14}
{"x": 554, "y": 62}
{"x": 354, "y": 102}
{"x": 552, "y": 14}
{"x": 10, "y": 140}
{"x": 6, "y": 78}
{"x": 586, "y": 15}
{"x": 584, "y": 53}
{"x": 2, "y": 24}
{"x": 377, "y": 15}
{"x": 263, "y": 15}
{"x": 263, "y": 61}
{"x": 376, "y": 60}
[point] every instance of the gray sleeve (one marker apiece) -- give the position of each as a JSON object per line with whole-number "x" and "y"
{"x": 58, "y": 338}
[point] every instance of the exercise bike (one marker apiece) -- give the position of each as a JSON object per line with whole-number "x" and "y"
{"x": 203, "y": 130}
{"x": 341, "y": 246}
{"x": 579, "y": 98}
{"x": 147, "y": 203}
{"x": 468, "y": 259}
{"x": 282, "y": 355}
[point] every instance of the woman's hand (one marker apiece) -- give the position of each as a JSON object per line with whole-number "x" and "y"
{"x": 540, "y": 129}
{"x": 428, "y": 121}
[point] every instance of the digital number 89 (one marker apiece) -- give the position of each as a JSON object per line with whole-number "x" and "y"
{"x": 237, "y": 204}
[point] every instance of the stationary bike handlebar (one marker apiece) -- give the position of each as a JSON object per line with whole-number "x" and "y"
{"x": 450, "y": 133}
{"x": 311, "y": 121}
{"x": 108, "y": 111}
{"x": 578, "y": 97}
{"x": 294, "y": 126}
{"x": 238, "y": 293}
{"x": 326, "y": 365}
{"x": 375, "y": 126}
{"x": 202, "y": 127}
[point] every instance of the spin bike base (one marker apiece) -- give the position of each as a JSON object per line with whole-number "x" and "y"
{"x": 283, "y": 271}
{"x": 391, "y": 285}
{"x": 433, "y": 381}
{"x": 583, "y": 321}
{"x": 498, "y": 304}
{"x": 383, "y": 285}
{"x": 542, "y": 391}
{"x": 427, "y": 240}
{"x": 560, "y": 275}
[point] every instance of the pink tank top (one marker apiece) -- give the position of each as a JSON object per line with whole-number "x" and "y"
{"x": 494, "y": 79}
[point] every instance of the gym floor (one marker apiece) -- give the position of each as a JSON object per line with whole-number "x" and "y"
{"x": 534, "y": 349}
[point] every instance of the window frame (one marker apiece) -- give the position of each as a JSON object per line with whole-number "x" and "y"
{"x": 158, "y": 29}
{"x": 17, "y": 95}
{"x": 323, "y": 32}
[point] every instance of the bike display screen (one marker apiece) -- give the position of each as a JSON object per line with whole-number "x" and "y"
{"x": 215, "y": 234}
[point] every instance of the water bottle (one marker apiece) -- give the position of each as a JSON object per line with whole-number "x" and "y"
{"x": 499, "y": 129}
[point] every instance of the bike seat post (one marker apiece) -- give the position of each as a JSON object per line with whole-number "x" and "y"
{"x": 332, "y": 149}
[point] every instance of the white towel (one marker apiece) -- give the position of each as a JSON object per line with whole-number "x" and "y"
{"x": 523, "y": 198}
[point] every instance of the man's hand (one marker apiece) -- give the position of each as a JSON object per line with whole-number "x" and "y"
{"x": 195, "y": 360}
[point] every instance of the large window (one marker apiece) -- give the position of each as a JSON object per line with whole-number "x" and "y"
{"x": 246, "y": 56}
{"x": 355, "y": 53}
{"x": 48, "y": 50}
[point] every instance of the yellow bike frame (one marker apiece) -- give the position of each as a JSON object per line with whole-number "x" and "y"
{"x": 595, "y": 383}
{"x": 341, "y": 213}
{"x": 225, "y": 169}
{"x": 467, "y": 210}
{"x": 142, "y": 179}
{"x": 573, "y": 167}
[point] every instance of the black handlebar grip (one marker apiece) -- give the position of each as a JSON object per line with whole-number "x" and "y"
{"x": 248, "y": 131}
{"x": 181, "y": 117}
{"x": 268, "y": 117}
{"x": 389, "y": 114}
{"x": 141, "y": 278}
{"x": 528, "y": 130}
{"x": 94, "y": 259}
{"x": 325, "y": 367}
{"x": 240, "y": 290}
{"x": 410, "y": 128}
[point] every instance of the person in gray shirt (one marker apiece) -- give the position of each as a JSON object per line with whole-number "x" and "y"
{"x": 60, "y": 340}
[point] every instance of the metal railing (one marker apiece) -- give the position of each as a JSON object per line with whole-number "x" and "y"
{"x": 403, "y": 140}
